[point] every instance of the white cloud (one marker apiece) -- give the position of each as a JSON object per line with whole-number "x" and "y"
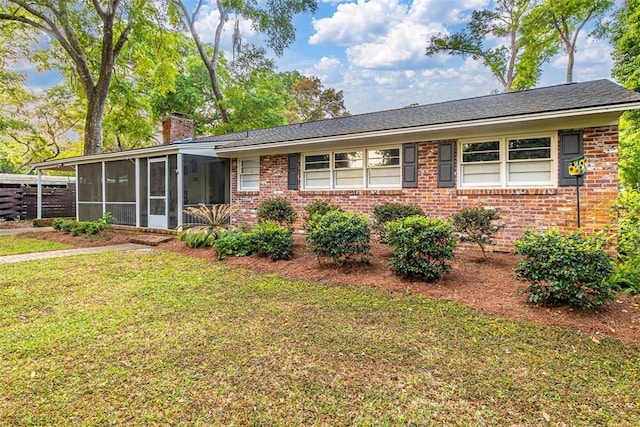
{"x": 207, "y": 23}
{"x": 592, "y": 59}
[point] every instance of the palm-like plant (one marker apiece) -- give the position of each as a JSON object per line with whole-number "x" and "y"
{"x": 212, "y": 220}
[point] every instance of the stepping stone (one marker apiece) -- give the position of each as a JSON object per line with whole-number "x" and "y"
{"x": 151, "y": 240}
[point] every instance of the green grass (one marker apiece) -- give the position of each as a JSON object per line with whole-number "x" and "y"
{"x": 122, "y": 338}
{"x": 13, "y": 245}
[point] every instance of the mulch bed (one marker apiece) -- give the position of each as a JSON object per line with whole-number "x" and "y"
{"x": 488, "y": 286}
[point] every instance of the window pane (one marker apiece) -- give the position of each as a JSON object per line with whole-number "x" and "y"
{"x": 348, "y": 178}
{"x": 317, "y": 161}
{"x": 532, "y": 148}
{"x": 157, "y": 179}
{"x": 481, "y": 152}
{"x": 533, "y": 172}
{"x": 385, "y": 177}
{"x": 157, "y": 206}
{"x": 481, "y": 174}
{"x": 348, "y": 160}
{"x": 250, "y": 166}
{"x": 317, "y": 179}
{"x": 378, "y": 158}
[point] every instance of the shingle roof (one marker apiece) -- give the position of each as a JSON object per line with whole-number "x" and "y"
{"x": 575, "y": 96}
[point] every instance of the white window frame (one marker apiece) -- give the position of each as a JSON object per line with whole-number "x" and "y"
{"x": 365, "y": 168}
{"x": 504, "y": 161}
{"x": 241, "y": 174}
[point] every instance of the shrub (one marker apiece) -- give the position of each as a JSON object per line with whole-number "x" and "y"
{"x": 200, "y": 239}
{"x": 564, "y": 269}
{"x": 475, "y": 225}
{"x": 387, "y": 212}
{"x": 213, "y": 220}
{"x": 277, "y": 209}
{"x": 420, "y": 247}
{"x": 269, "y": 239}
{"x": 236, "y": 243}
{"x": 627, "y": 275}
{"x": 318, "y": 207}
{"x": 341, "y": 236}
{"x": 80, "y": 227}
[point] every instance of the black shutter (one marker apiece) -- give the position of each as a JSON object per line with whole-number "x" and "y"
{"x": 571, "y": 148}
{"x": 446, "y": 164}
{"x": 409, "y": 165}
{"x": 292, "y": 171}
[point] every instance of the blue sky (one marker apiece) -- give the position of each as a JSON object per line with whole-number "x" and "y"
{"x": 373, "y": 50}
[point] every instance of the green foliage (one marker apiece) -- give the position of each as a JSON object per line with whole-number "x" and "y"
{"x": 236, "y": 243}
{"x": 311, "y": 101}
{"x": 318, "y": 207}
{"x": 382, "y": 214}
{"x": 269, "y": 239}
{"x": 277, "y": 209}
{"x": 199, "y": 239}
{"x": 627, "y": 275}
{"x": 475, "y": 225}
{"x": 79, "y": 227}
{"x": 420, "y": 247}
{"x": 344, "y": 237}
{"x": 517, "y": 65}
{"x": 564, "y": 269}
{"x": 212, "y": 220}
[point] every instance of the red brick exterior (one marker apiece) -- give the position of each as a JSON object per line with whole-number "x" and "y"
{"x": 177, "y": 128}
{"x": 519, "y": 208}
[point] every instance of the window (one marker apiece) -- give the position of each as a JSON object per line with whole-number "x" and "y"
{"x": 249, "y": 174}
{"x": 507, "y": 162}
{"x": 372, "y": 168}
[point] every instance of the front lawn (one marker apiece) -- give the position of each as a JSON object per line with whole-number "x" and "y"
{"x": 14, "y": 245}
{"x": 123, "y": 338}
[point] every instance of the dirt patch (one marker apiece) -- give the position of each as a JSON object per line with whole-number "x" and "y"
{"x": 488, "y": 286}
{"x": 10, "y": 224}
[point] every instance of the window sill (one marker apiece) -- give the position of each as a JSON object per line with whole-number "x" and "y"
{"x": 353, "y": 192}
{"x": 506, "y": 191}
{"x": 249, "y": 192}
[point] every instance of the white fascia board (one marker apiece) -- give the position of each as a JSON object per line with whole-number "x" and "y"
{"x": 202, "y": 148}
{"x": 428, "y": 129}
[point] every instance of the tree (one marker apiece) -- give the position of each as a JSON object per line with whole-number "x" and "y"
{"x": 624, "y": 33}
{"x": 273, "y": 17}
{"x": 311, "y": 101}
{"x": 87, "y": 39}
{"x": 517, "y": 63}
{"x": 566, "y": 18}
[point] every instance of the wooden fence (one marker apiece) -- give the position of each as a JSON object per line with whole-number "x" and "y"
{"x": 22, "y": 202}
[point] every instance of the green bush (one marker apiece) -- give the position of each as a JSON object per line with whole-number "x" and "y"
{"x": 79, "y": 227}
{"x": 277, "y": 209}
{"x": 564, "y": 269}
{"x": 420, "y": 247}
{"x": 627, "y": 275}
{"x": 387, "y": 212}
{"x": 269, "y": 239}
{"x": 200, "y": 239}
{"x": 344, "y": 237}
{"x": 236, "y": 243}
{"x": 475, "y": 225}
{"x": 318, "y": 207}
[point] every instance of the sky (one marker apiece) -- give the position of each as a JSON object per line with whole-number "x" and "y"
{"x": 374, "y": 52}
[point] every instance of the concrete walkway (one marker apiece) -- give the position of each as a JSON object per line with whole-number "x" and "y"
{"x": 14, "y": 231}
{"x": 126, "y": 247}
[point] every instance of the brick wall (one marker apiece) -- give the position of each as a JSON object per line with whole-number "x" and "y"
{"x": 519, "y": 208}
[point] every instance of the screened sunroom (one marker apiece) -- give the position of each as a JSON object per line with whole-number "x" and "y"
{"x": 147, "y": 188}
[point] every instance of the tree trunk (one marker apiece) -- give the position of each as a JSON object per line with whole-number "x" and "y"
{"x": 93, "y": 125}
{"x": 570, "y": 60}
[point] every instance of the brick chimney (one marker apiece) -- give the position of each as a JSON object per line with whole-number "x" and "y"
{"x": 176, "y": 127}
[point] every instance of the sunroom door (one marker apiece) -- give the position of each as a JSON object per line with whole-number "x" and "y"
{"x": 158, "y": 200}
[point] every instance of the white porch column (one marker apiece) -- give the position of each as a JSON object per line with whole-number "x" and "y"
{"x": 138, "y": 201}
{"x": 39, "y": 200}
{"x": 180, "y": 189}
{"x": 104, "y": 188}
{"x": 77, "y": 194}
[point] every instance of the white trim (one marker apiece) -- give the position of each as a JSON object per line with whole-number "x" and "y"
{"x": 138, "y": 199}
{"x": 165, "y": 160}
{"x": 77, "y": 193}
{"x": 39, "y": 197}
{"x": 104, "y": 187}
{"x": 180, "y": 185}
{"x": 503, "y": 162}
